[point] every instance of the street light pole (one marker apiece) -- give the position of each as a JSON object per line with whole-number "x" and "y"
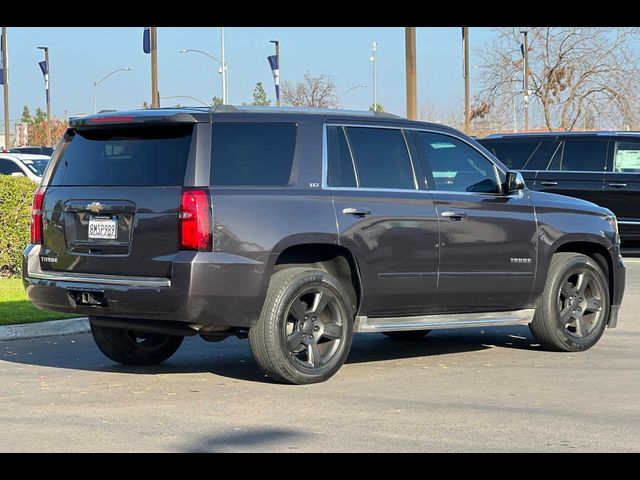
{"x": 153, "y": 40}
{"x": 375, "y": 86}
{"x": 47, "y": 80}
{"x": 467, "y": 112}
{"x": 95, "y": 84}
{"x": 352, "y": 88}
{"x": 525, "y": 76}
{"x": 5, "y": 83}
{"x": 410, "y": 60}
{"x": 187, "y": 96}
{"x": 224, "y": 68}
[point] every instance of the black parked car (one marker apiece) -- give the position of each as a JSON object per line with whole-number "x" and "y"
{"x": 298, "y": 228}
{"x": 602, "y": 167}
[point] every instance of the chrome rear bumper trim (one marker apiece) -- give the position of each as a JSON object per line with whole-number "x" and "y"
{"x": 151, "y": 282}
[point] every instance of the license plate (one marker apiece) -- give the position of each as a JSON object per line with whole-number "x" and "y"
{"x": 103, "y": 228}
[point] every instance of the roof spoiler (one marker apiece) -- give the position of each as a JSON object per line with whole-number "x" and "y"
{"x": 146, "y": 117}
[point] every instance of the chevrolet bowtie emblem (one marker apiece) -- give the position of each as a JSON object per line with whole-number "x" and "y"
{"x": 95, "y": 207}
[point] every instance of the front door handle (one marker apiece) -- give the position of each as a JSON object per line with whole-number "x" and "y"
{"x": 549, "y": 183}
{"x": 453, "y": 215}
{"x": 618, "y": 185}
{"x": 356, "y": 212}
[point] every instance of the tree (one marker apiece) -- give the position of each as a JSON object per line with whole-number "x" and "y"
{"x": 40, "y": 116}
{"x": 26, "y": 115}
{"x": 379, "y": 108}
{"x": 573, "y": 73}
{"x": 260, "y": 96}
{"x": 38, "y": 131}
{"x": 145, "y": 104}
{"x": 215, "y": 101}
{"x": 314, "y": 91}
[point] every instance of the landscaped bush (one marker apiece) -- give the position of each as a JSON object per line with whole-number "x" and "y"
{"x": 16, "y": 195}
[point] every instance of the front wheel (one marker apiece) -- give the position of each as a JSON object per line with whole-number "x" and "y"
{"x": 134, "y": 348}
{"x": 304, "y": 331}
{"x": 573, "y": 310}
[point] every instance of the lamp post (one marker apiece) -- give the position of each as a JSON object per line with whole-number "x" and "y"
{"x": 362, "y": 85}
{"x": 95, "y": 84}
{"x": 375, "y": 87}
{"x": 187, "y": 96}
{"x": 223, "y": 69}
{"x": 46, "y": 71}
{"x": 525, "y": 78}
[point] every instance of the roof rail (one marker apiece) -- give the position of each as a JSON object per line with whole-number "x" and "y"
{"x": 289, "y": 109}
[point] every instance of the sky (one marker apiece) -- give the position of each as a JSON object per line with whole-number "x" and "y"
{"x": 80, "y": 56}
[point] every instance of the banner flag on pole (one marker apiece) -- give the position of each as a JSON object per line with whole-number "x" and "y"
{"x": 45, "y": 72}
{"x": 146, "y": 40}
{"x": 274, "y": 62}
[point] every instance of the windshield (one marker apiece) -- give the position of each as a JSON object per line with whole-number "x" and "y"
{"x": 36, "y": 166}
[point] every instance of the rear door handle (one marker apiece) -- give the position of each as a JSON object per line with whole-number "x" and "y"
{"x": 453, "y": 215}
{"x": 548, "y": 183}
{"x": 356, "y": 212}
{"x": 618, "y": 185}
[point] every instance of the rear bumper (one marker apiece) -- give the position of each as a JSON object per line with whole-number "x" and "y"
{"x": 208, "y": 288}
{"x": 619, "y": 282}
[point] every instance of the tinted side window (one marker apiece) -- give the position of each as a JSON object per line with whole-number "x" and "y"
{"x": 340, "y": 164}
{"x": 455, "y": 165}
{"x": 7, "y": 167}
{"x": 584, "y": 155}
{"x": 627, "y": 157}
{"x": 130, "y": 155}
{"x": 513, "y": 153}
{"x": 381, "y": 158}
{"x": 252, "y": 153}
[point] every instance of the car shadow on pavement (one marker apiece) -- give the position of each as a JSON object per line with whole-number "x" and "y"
{"x": 247, "y": 440}
{"x": 232, "y": 358}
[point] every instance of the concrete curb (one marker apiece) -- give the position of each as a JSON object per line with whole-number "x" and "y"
{"x": 45, "y": 329}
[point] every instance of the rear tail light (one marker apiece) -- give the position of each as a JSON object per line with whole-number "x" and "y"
{"x": 36, "y": 216}
{"x": 195, "y": 220}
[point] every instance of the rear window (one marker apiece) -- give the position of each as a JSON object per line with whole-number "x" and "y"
{"x": 129, "y": 156}
{"x": 252, "y": 153}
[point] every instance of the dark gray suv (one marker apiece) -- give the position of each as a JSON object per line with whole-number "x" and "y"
{"x": 298, "y": 228}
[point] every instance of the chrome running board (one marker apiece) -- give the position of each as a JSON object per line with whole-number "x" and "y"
{"x": 452, "y": 320}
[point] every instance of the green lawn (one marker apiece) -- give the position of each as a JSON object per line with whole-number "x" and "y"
{"x": 15, "y": 308}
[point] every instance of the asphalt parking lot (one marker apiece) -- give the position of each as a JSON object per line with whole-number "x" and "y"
{"x": 465, "y": 390}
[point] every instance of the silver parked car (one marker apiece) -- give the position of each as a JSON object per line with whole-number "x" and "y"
{"x": 22, "y": 164}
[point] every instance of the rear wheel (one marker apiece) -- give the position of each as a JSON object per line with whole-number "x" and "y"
{"x": 134, "y": 348}
{"x": 304, "y": 331}
{"x": 573, "y": 310}
{"x": 408, "y": 336}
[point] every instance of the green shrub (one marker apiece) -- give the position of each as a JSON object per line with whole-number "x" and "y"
{"x": 16, "y": 195}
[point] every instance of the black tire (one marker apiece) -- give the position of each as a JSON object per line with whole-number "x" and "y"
{"x": 134, "y": 348}
{"x": 288, "y": 316}
{"x": 572, "y": 314}
{"x": 408, "y": 336}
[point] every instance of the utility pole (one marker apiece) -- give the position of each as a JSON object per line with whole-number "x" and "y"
{"x": 153, "y": 40}
{"x": 5, "y": 83}
{"x": 410, "y": 60}
{"x": 375, "y": 87}
{"x": 467, "y": 113}
{"x": 225, "y": 98}
{"x": 525, "y": 78}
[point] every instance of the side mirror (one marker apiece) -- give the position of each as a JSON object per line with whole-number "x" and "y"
{"x": 17, "y": 174}
{"x": 515, "y": 182}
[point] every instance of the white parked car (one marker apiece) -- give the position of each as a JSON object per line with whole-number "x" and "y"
{"x": 17, "y": 164}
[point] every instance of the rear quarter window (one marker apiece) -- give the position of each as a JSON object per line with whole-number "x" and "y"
{"x": 247, "y": 154}
{"x": 124, "y": 156}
